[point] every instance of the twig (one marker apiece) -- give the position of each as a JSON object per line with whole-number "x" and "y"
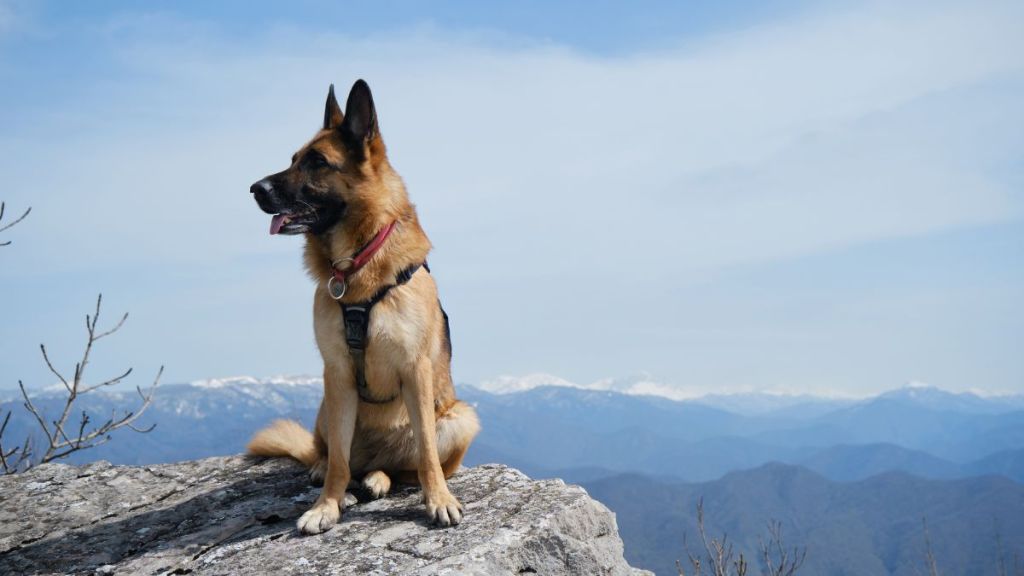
{"x": 929, "y": 554}
{"x": 113, "y": 380}
{"x": 1001, "y": 569}
{"x": 776, "y": 557}
{"x": 5, "y": 454}
{"x": 718, "y": 554}
{"x": 59, "y": 443}
{"x": 35, "y": 412}
{"x": 49, "y": 365}
{"x": 12, "y": 223}
{"x": 112, "y": 330}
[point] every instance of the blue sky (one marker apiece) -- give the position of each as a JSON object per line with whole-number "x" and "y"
{"x": 728, "y": 195}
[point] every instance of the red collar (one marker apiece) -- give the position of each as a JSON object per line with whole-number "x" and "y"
{"x": 348, "y": 266}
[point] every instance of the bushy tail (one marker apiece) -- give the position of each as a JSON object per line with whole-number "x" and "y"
{"x": 285, "y": 438}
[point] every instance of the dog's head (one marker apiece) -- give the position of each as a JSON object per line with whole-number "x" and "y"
{"x": 332, "y": 175}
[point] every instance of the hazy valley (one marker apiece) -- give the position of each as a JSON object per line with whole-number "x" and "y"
{"x": 850, "y": 479}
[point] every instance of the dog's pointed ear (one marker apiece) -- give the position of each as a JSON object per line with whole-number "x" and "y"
{"x": 332, "y": 112}
{"x": 359, "y": 128}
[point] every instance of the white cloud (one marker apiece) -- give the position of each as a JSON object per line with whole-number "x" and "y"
{"x": 768, "y": 143}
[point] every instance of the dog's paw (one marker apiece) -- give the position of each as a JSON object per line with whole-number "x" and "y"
{"x": 318, "y": 472}
{"x": 444, "y": 509}
{"x": 377, "y": 484}
{"x": 320, "y": 518}
{"x": 350, "y": 500}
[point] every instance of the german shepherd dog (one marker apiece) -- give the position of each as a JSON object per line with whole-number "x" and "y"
{"x": 389, "y": 411}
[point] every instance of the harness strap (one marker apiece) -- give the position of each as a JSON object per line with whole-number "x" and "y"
{"x": 357, "y": 324}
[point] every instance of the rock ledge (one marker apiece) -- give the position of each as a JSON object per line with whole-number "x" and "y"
{"x": 236, "y": 515}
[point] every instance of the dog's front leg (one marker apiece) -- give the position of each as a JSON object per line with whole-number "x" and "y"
{"x": 340, "y": 407}
{"x": 442, "y": 507}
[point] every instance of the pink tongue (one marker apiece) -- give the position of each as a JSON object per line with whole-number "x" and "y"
{"x": 277, "y": 222}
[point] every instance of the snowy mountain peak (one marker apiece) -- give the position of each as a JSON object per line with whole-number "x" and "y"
{"x": 514, "y": 384}
{"x": 641, "y": 384}
{"x": 243, "y": 381}
{"x": 936, "y": 398}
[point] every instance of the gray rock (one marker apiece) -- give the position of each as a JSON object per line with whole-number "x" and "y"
{"x": 236, "y": 515}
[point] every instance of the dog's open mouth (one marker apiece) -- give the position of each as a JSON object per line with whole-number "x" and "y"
{"x": 292, "y": 223}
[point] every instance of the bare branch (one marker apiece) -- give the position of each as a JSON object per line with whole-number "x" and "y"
{"x": 95, "y": 316}
{"x": 74, "y": 389}
{"x": 146, "y": 430}
{"x": 25, "y": 454}
{"x": 85, "y": 440}
{"x": 35, "y": 412}
{"x": 113, "y": 380}
{"x": 929, "y": 554}
{"x": 49, "y": 365}
{"x": 718, "y": 554}
{"x": 59, "y": 442}
{"x": 720, "y": 558}
{"x": 69, "y": 450}
{"x": 81, "y": 429}
{"x": 112, "y": 330}
{"x": 12, "y": 223}
{"x": 741, "y": 566}
{"x": 60, "y": 431}
{"x": 777, "y": 559}
{"x": 146, "y": 398}
{"x": 5, "y": 454}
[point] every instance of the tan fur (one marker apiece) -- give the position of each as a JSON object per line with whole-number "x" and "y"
{"x": 424, "y": 433}
{"x": 285, "y": 438}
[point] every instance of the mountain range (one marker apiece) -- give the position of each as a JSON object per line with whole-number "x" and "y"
{"x": 928, "y": 432}
{"x": 851, "y": 479}
{"x": 548, "y": 428}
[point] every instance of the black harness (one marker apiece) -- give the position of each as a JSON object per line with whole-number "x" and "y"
{"x": 357, "y": 324}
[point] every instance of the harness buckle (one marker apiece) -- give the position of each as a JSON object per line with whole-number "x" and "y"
{"x": 357, "y": 324}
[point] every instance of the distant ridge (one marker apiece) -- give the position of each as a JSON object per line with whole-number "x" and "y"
{"x": 866, "y": 528}
{"x": 758, "y": 402}
{"x": 645, "y": 384}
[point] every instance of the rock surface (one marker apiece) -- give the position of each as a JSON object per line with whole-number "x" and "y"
{"x": 236, "y": 515}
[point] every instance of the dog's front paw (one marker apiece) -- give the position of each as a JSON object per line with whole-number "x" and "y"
{"x": 444, "y": 509}
{"x": 319, "y": 518}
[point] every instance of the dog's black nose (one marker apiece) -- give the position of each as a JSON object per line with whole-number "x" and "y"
{"x": 262, "y": 186}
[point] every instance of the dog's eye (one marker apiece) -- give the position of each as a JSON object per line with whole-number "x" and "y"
{"x": 316, "y": 160}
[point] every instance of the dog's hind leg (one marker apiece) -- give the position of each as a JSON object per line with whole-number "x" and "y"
{"x": 318, "y": 471}
{"x": 377, "y": 483}
{"x": 449, "y": 466}
{"x": 456, "y": 429}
